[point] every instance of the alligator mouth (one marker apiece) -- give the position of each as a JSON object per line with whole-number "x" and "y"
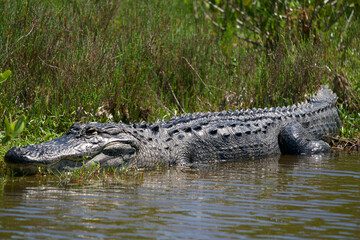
{"x": 33, "y": 169}
{"x": 27, "y": 161}
{"x": 22, "y": 162}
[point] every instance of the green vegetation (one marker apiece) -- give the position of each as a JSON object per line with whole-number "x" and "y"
{"x": 263, "y": 23}
{"x": 4, "y": 76}
{"x": 143, "y": 60}
{"x": 13, "y": 129}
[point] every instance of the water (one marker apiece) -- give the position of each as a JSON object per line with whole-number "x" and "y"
{"x": 290, "y": 197}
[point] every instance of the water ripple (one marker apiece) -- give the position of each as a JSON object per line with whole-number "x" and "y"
{"x": 287, "y": 198}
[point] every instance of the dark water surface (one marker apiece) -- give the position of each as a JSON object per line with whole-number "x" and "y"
{"x": 289, "y": 197}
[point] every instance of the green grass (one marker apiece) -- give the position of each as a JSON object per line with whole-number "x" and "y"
{"x": 143, "y": 60}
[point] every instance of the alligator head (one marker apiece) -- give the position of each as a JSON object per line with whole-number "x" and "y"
{"x": 107, "y": 144}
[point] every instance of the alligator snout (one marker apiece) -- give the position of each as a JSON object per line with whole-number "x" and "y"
{"x": 27, "y": 155}
{"x": 29, "y": 159}
{"x": 16, "y": 155}
{"x": 23, "y": 160}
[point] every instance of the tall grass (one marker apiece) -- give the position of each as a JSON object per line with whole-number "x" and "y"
{"x": 142, "y": 60}
{"x": 128, "y": 57}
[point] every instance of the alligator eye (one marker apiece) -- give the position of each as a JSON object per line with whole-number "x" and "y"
{"x": 90, "y": 131}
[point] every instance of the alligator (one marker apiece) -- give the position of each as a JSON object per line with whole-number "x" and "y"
{"x": 188, "y": 140}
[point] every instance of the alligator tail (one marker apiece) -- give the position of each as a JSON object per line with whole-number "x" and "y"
{"x": 325, "y": 94}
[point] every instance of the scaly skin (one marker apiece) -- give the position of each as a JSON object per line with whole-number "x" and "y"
{"x": 189, "y": 139}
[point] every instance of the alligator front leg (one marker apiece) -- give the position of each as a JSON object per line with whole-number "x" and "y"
{"x": 294, "y": 139}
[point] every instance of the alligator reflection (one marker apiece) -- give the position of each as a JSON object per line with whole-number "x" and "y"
{"x": 317, "y": 196}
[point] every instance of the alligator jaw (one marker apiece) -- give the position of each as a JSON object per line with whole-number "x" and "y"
{"x": 112, "y": 154}
{"x": 18, "y": 159}
{"x": 32, "y": 169}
